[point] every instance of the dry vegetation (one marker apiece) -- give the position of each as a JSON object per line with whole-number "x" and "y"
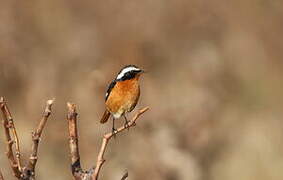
{"x": 14, "y": 155}
{"x": 27, "y": 172}
{"x": 93, "y": 173}
{"x": 214, "y": 85}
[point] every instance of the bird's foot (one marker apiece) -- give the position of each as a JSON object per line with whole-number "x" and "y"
{"x": 126, "y": 125}
{"x": 114, "y": 132}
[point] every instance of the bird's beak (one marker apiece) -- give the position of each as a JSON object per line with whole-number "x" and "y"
{"x": 143, "y": 71}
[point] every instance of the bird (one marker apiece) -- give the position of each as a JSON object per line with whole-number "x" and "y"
{"x": 122, "y": 95}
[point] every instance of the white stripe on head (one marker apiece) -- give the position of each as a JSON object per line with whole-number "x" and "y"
{"x": 125, "y": 70}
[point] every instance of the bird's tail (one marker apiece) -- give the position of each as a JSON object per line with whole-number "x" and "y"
{"x": 105, "y": 117}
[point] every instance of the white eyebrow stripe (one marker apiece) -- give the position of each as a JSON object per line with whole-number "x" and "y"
{"x": 124, "y": 71}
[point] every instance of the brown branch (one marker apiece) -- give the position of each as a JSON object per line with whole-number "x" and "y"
{"x": 106, "y": 139}
{"x": 22, "y": 172}
{"x": 77, "y": 171}
{"x": 9, "y": 126}
{"x": 36, "y": 137}
{"x": 125, "y": 176}
{"x": 1, "y": 176}
{"x": 73, "y": 142}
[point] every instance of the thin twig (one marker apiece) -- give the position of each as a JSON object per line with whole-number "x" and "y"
{"x": 36, "y": 137}
{"x": 9, "y": 126}
{"x": 125, "y": 176}
{"x": 1, "y": 176}
{"x": 107, "y": 137}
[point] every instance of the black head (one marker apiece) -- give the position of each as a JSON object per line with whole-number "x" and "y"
{"x": 128, "y": 72}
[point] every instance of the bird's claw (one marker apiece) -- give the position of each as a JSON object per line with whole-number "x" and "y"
{"x": 126, "y": 125}
{"x": 114, "y": 132}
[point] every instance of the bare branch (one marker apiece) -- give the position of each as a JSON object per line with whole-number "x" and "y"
{"x": 22, "y": 172}
{"x": 106, "y": 139}
{"x": 1, "y": 176}
{"x": 77, "y": 171}
{"x": 74, "y": 141}
{"x": 9, "y": 126}
{"x": 125, "y": 176}
{"x": 36, "y": 137}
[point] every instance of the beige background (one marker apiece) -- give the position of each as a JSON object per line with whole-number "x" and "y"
{"x": 214, "y": 84}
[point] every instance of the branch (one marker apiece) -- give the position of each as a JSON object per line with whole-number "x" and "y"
{"x": 22, "y": 172}
{"x": 9, "y": 126}
{"x": 74, "y": 141}
{"x": 36, "y": 137}
{"x": 106, "y": 139}
{"x": 125, "y": 176}
{"x": 1, "y": 176}
{"x": 77, "y": 171}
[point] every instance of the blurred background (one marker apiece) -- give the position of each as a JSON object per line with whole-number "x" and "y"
{"x": 214, "y": 85}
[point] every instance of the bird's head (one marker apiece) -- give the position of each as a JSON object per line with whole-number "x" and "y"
{"x": 129, "y": 72}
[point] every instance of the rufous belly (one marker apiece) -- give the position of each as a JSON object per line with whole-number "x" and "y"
{"x": 123, "y": 97}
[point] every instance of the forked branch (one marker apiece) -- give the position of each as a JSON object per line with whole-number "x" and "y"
{"x": 100, "y": 159}
{"x": 77, "y": 171}
{"x": 19, "y": 171}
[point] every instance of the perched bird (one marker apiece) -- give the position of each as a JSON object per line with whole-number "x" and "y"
{"x": 123, "y": 94}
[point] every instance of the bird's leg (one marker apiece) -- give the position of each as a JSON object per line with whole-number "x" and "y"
{"x": 113, "y": 127}
{"x": 126, "y": 122}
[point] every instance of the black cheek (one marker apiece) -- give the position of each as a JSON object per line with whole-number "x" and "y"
{"x": 128, "y": 75}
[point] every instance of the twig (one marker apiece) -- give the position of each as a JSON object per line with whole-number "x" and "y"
{"x": 107, "y": 137}
{"x": 36, "y": 137}
{"x": 77, "y": 171}
{"x": 1, "y": 176}
{"x": 22, "y": 172}
{"x": 125, "y": 176}
{"x": 9, "y": 126}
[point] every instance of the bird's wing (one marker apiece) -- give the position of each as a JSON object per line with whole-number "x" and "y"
{"x": 110, "y": 87}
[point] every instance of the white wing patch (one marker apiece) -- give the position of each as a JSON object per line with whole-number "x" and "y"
{"x": 127, "y": 69}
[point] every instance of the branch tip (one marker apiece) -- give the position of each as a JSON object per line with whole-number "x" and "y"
{"x": 50, "y": 102}
{"x": 2, "y": 102}
{"x": 36, "y": 136}
{"x": 71, "y": 106}
{"x": 143, "y": 110}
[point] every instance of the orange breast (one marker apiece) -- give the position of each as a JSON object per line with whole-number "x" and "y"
{"x": 123, "y": 97}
